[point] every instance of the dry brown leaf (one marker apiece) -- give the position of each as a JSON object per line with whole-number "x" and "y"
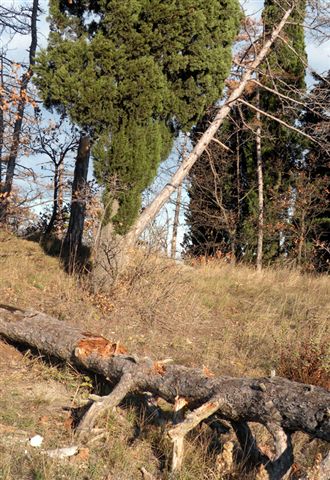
{"x": 207, "y": 372}
{"x": 44, "y": 419}
{"x": 81, "y": 456}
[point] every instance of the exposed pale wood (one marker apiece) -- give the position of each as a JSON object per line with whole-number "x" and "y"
{"x": 147, "y": 475}
{"x": 281, "y": 464}
{"x": 324, "y": 470}
{"x": 103, "y": 404}
{"x": 191, "y": 421}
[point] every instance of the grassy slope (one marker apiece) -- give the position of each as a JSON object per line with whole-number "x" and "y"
{"x": 231, "y": 320}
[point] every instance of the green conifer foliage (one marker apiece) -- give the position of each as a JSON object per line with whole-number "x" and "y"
{"x": 134, "y": 73}
{"x": 282, "y": 149}
{"x": 230, "y": 225}
{"x": 315, "y": 172}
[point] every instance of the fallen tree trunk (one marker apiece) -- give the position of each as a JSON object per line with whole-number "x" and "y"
{"x": 282, "y": 406}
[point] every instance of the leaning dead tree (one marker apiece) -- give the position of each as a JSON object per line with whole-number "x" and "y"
{"x": 282, "y": 406}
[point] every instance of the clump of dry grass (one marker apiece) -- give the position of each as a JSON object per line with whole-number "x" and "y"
{"x": 306, "y": 361}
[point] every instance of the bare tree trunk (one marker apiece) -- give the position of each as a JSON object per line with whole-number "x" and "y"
{"x": 53, "y": 218}
{"x": 60, "y": 197}
{"x": 238, "y": 178}
{"x": 11, "y": 165}
{"x": 151, "y": 211}
{"x": 301, "y": 240}
{"x": 234, "y": 240}
{"x": 282, "y": 406}
{"x": 2, "y": 126}
{"x": 260, "y": 189}
{"x": 73, "y": 239}
{"x": 57, "y": 195}
{"x": 176, "y": 221}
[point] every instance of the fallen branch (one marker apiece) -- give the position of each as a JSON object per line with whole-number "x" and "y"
{"x": 282, "y": 406}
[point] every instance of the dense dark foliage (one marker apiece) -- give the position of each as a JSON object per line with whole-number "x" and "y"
{"x": 133, "y": 74}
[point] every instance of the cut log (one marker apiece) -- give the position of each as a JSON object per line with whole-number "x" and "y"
{"x": 282, "y": 406}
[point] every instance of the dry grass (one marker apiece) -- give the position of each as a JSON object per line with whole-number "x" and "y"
{"x": 231, "y": 320}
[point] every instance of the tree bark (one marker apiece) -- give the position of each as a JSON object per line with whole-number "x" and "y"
{"x": 301, "y": 240}
{"x": 2, "y": 126}
{"x": 151, "y": 211}
{"x": 57, "y": 195}
{"x": 73, "y": 239}
{"x": 176, "y": 221}
{"x": 53, "y": 218}
{"x": 260, "y": 189}
{"x": 282, "y": 406}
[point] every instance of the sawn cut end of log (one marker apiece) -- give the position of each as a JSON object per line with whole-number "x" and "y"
{"x": 282, "y": 406}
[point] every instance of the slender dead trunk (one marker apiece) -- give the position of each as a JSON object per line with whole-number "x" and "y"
{"x": 301, "y": 240}
{"x": 14, "y": 149}
{"x": 238, "y": 179}
{"x": 2, "y": 126}
{"x": 73, "y": 239}
{"x": 60, "y": 196}
{"x": 176, "y": 221}
{"x": 260, "y": 189}
{"x": 53, "y": 218}
{"x": 151, "y": 211}
{"x": 57, "y": 194}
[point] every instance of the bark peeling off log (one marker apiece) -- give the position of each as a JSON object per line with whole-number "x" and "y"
{"x": 279, "y": 404}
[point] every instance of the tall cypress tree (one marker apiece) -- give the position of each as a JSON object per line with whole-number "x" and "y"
{"x": 282, "y": 151}
{"x": 133, "y": 73}
{"x": 315, "y": 171}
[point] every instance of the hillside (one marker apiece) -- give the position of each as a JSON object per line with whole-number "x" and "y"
{"x": 229, "y": 319}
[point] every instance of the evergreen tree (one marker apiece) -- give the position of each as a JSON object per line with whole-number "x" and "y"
{"x": 282, "y": 152}
{"x": 133, "y": 73}
{"x": 315, "y": 172}
{"x": 222, "y": 194}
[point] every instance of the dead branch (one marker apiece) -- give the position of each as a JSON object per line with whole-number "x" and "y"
{"x": 279, "y": 120}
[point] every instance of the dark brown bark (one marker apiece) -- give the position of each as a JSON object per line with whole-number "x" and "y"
{"x": 2, "y": 126}
{"x": 281, "y": 405}
{"x": 73, "y": 240}
{"x": 57, "y": 195}
{"x": 53, "y": 218}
